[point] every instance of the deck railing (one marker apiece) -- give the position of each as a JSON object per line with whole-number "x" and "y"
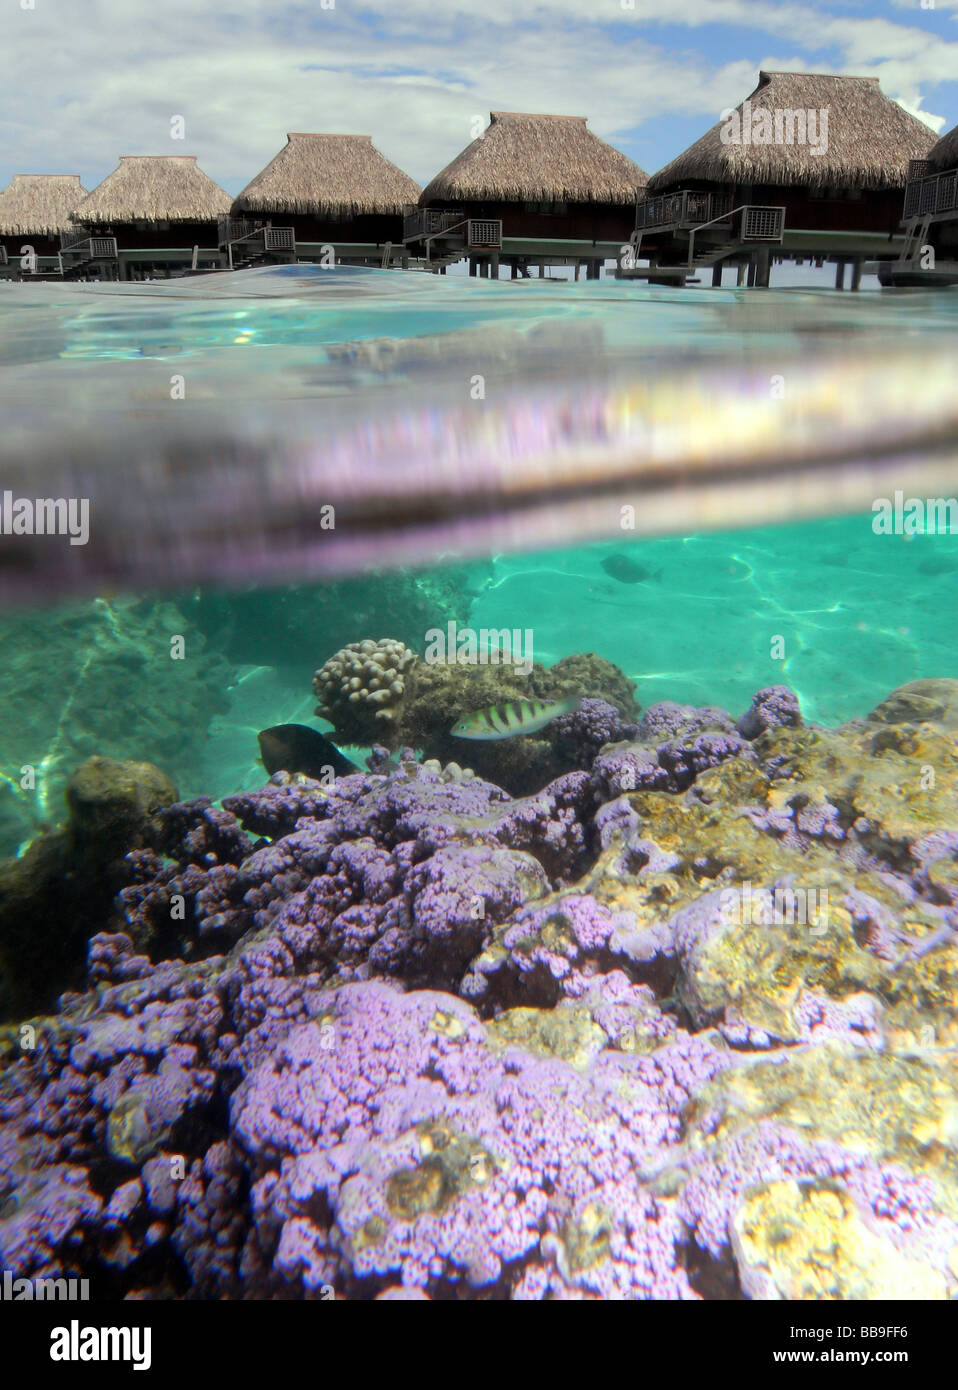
{"x": 68, "y": 239}
{"x": 424, "y": 222}
{"x": 430, "y": 224}
{"x": 762, "y": 223}
{"x": 279, "y": 239}
{"x": 687, "y": 208}
{"x": 931, "y": 193}
{"x": 88, "y": 247}
{"x": 234, "y": 229}
{"x": 483, "y": 232}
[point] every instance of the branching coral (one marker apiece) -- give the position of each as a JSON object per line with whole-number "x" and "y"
{"x": 360, "y": 689}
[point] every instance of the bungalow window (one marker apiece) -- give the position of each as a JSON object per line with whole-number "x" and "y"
{"x": 546, "y": 206}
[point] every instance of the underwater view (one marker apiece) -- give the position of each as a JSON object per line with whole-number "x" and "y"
{"x": 419, "y": 880}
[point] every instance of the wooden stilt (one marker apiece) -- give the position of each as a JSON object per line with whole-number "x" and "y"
{"x": 742, "y": 269}
{"x": 839, "y": 275}
{"x": 857, "y": 273}
{"x": 717, "y": 275}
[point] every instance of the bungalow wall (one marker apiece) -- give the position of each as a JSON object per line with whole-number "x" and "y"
{"x": 943, "y": 238}
{"x": 807, "y": 209}
{"x": 561, "y": 222}
{"x": 134, "y": 236}
{"x": 377, "y": 228}
{"x": 42, "y": 245}
{"x": 846, "y": 210}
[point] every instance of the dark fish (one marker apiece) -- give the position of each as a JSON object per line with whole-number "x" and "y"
{"x": 626, "y": 571}
{"x": 298, "y": 748}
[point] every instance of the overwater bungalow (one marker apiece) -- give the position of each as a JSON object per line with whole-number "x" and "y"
{"x": 322, "y": 197}
{"x": 808, "y": 167}
{"x": 531, "y": 190}
{"x": 930, "y": 253}
{"x": 155, "y": 215}
{"x": 34, "y": 211}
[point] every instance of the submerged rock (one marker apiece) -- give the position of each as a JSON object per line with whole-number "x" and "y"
{"x": 60, "y": 892}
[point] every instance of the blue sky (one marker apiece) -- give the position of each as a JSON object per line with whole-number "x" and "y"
{"x": 84, "y": 81}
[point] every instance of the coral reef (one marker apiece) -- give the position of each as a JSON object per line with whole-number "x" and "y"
{"x": 677, "y": 1024}
{"x": 382, "y": 692}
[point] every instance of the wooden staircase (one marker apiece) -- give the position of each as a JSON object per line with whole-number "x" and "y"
{"x": 245, "y": 261}
{"x": 915, "y": 238}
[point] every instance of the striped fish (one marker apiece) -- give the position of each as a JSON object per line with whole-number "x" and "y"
{"x": 513, "y": 718}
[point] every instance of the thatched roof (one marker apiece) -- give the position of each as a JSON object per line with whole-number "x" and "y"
{"x": 325, "y": 175}
{"x": 523, "y": 158}
{"x": 154, "y": 188}
{"x": 870, "y": 138}
{"x": 39, "y": 204}
{"x": 944, "y": 153}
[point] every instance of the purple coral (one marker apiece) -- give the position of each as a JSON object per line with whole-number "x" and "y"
{"x": 555, "y": 950}
{"x": 441, "y": 1160}
{"x": 774, "y": 707}
{"x": 578, "y": 736}
{"x": 695, "y": 740}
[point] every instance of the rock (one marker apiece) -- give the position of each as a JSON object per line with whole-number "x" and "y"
{"x": 808, "y": 1241}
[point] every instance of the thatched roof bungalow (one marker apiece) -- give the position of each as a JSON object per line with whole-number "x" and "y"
{"x": 35, "y": 209}
{"x": 158, "y": 201}
{"x": 931, "y": 213}
{"x": 543, "y": 177}
{"x": 834, "y": 151}
{"x": 944, "y": 153}
{"x": 332, "y": 190}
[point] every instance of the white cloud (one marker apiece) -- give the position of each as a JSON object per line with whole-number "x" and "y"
{"x": 83, "y": 81}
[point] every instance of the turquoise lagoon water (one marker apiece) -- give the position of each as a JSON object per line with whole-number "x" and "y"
{"x": 825, "y": 605}
{"x": 855, "y": 615}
